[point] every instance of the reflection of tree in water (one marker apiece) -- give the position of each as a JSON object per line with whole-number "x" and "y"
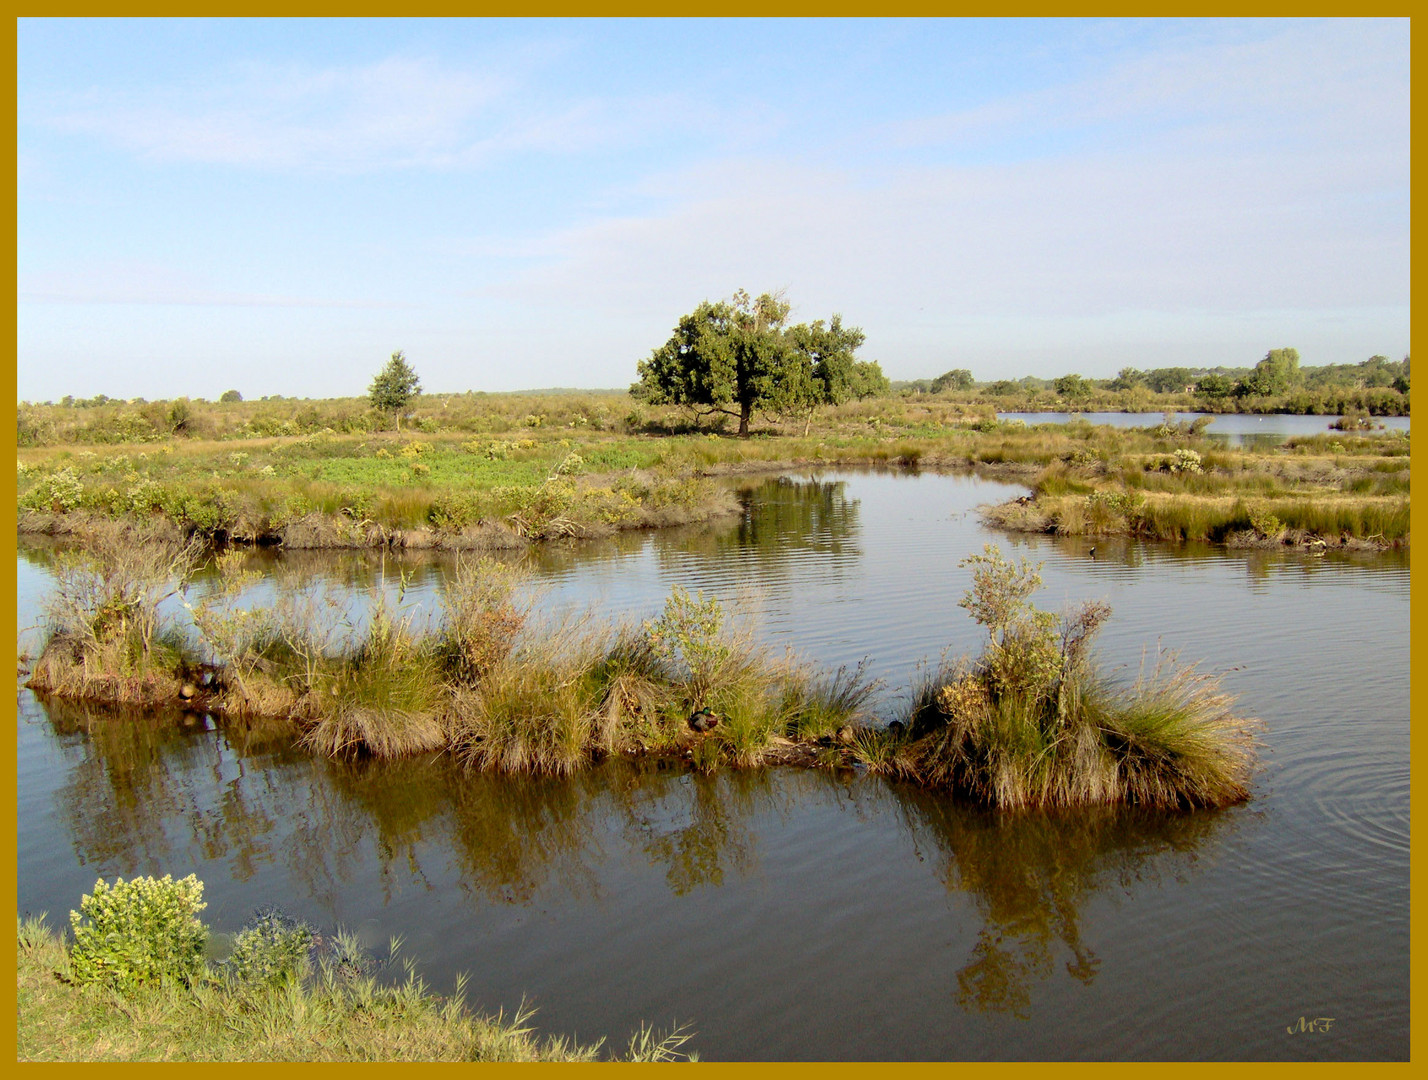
{"x": 1031, "y": 874}
{"x": 782, "y": 519}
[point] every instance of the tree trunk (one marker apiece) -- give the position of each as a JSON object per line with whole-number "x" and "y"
{"x": 744, "y": 409}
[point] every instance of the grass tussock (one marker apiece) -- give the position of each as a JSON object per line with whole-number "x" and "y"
{"x": 1029, "y": 723}
{"x": 1032, "y": 723}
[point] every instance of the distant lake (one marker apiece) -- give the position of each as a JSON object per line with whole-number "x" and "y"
{"x": 1235, "y": 429}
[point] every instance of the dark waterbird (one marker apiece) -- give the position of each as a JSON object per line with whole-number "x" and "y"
{"x": 703, "y": 721}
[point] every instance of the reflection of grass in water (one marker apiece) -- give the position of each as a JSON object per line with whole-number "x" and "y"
{"x": 131, "y": 775}
{"x": 1031, "y": 873}
{"x": 1031, "y": 723}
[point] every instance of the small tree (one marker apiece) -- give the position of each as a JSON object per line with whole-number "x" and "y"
{"x": 1128, "y": 378}
{"x": 1277, "y": 373}
{"x": 394, "y": 387}
{"x": 229, "y": 396}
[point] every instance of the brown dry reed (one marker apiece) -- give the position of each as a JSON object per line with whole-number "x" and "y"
{"x": 1030, "y": 723}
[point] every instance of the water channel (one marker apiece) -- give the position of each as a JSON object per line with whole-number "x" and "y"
{"x": 1232, "y": 429}
{"x": 819, "y": 915}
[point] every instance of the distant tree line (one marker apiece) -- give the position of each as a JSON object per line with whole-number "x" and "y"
{"x": 1278, "y": 374}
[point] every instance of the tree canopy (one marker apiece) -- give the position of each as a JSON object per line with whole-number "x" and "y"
{"x": 956, "y": 379}
{"x": 1072, "y": 386}
{"x": 1277, "y": 373}
{"x": 394, "y": 387}
{"x": 739, "y": 355}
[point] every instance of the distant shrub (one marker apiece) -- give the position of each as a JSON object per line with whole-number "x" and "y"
{"x": 140, "y": 931}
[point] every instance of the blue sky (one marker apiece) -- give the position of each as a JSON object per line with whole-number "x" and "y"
{"x": 275, "y": 206}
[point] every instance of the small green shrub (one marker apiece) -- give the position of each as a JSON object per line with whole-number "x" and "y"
{"x": 1265, "y": 523}
{"x": 1185, "y": 461}
{"x": 271, "y": 949}
{"x": 688, "y": 636}
{"x": 140, "y": 931}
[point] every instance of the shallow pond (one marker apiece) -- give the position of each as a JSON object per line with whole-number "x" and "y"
{"x": 1233, "y": 429}
{"x": 817, "y": 915}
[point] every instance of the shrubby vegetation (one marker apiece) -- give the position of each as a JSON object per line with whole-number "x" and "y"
{"x": 1277, "y": 383}
{"x": 136, "y": 984}
{"x": 560, "y": 478}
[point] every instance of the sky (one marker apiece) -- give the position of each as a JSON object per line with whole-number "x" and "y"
{"x": 276, "y": 206}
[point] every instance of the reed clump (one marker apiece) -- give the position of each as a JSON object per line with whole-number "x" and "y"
{"x": 485, "y": 682}
{"x": 1032, "y": 722}
{"x": 108, "y": 638}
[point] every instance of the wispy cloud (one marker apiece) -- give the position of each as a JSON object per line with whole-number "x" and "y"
{"x": 395, "y": 112}
{"x": 399, "y": 113}
{"x": 1338, "y": 79}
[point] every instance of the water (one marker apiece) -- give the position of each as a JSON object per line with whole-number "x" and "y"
{"x": 813, "y": 915}
{"x": 1233, "y": 429}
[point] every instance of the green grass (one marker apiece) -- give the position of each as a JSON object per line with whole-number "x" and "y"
{"x": 331, "y": 1015}
{"x": 489, "y": 463}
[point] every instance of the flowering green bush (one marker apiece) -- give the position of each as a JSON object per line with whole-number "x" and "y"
{"x": 140, "y": 931}
{"x": 61, "y": 491}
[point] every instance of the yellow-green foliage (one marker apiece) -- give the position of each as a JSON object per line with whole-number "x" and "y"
{"x": 144, "y": 930}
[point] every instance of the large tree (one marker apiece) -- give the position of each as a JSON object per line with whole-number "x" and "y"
{"x": 739, "y": 355}
{"x": 394, "y": 387}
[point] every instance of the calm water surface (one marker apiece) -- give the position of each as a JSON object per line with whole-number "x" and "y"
{"x": 808, "y": 915}
{"x": 1234, "y": 429}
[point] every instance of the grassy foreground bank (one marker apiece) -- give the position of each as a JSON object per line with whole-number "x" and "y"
{"x": 562, "y": 478}
{"x": 269, "y": 1002}
{"x": 1030, "y": 722}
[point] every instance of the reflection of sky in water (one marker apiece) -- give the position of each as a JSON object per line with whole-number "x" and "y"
{"x": 771, "y": 908}
{"x": 1233, "y": 429}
